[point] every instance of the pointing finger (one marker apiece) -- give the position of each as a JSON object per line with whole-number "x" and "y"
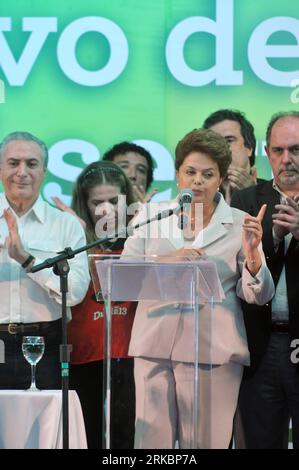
{"x": 261, "y": 213}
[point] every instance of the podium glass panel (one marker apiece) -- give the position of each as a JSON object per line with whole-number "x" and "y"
{"x": 173, "y": 325}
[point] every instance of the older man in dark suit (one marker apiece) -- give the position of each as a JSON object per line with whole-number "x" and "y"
{"x": 269, "y": 394}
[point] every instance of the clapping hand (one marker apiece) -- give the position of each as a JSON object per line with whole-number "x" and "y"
{"x": 64, "y": 208}
{"x": 140, "y": 194}
{"x": 13, "y": 241}
{"x": 287, "y": 219}
{"x": 237, "y": 178}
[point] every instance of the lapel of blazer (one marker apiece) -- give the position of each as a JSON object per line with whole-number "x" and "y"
{"x": 216, "y": 228}
{"x": 169, "y": 227}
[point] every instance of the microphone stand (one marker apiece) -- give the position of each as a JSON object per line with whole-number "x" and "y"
{"x": 61, "y": 268}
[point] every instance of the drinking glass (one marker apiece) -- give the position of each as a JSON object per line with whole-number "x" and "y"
{"x": 33, "y": 349}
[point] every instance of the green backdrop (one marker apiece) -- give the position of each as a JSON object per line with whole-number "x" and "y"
{"x": 84, "y": 75}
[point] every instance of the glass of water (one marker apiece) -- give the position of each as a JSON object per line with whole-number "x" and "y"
{"x": 33, "y": 348}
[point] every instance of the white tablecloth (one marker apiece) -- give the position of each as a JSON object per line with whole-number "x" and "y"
{"x": 33, "y": 420}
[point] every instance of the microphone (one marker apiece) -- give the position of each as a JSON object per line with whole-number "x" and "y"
{"x": 185, "y": 199}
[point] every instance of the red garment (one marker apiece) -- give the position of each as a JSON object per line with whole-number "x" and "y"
{"x": 86, "y": 329}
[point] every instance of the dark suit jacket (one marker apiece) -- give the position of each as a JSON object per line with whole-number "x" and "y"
{"x": 258, "y": 318}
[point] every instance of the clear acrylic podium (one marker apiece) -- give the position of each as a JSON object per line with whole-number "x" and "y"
{"x": 175, "y": 302}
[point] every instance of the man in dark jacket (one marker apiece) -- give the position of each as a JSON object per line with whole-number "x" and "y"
{"x": 269, "y": 394}
{"x": 239, "y": 134}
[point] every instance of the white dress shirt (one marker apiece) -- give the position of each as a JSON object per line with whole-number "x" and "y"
{"x": 35, "y": 297}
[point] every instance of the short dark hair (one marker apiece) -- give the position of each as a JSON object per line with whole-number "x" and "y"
{"x": 208, "y": 142}
{"x": 247, "y": 129}
{"x": 124, "y": 147}
{"x": 22, "y": 135}
{"x": 275, "y": 118}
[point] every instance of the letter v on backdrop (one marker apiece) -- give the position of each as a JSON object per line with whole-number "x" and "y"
{"x": 222, "y": 28}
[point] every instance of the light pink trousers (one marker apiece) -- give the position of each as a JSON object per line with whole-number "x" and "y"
{"x": 165, "y": 404}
